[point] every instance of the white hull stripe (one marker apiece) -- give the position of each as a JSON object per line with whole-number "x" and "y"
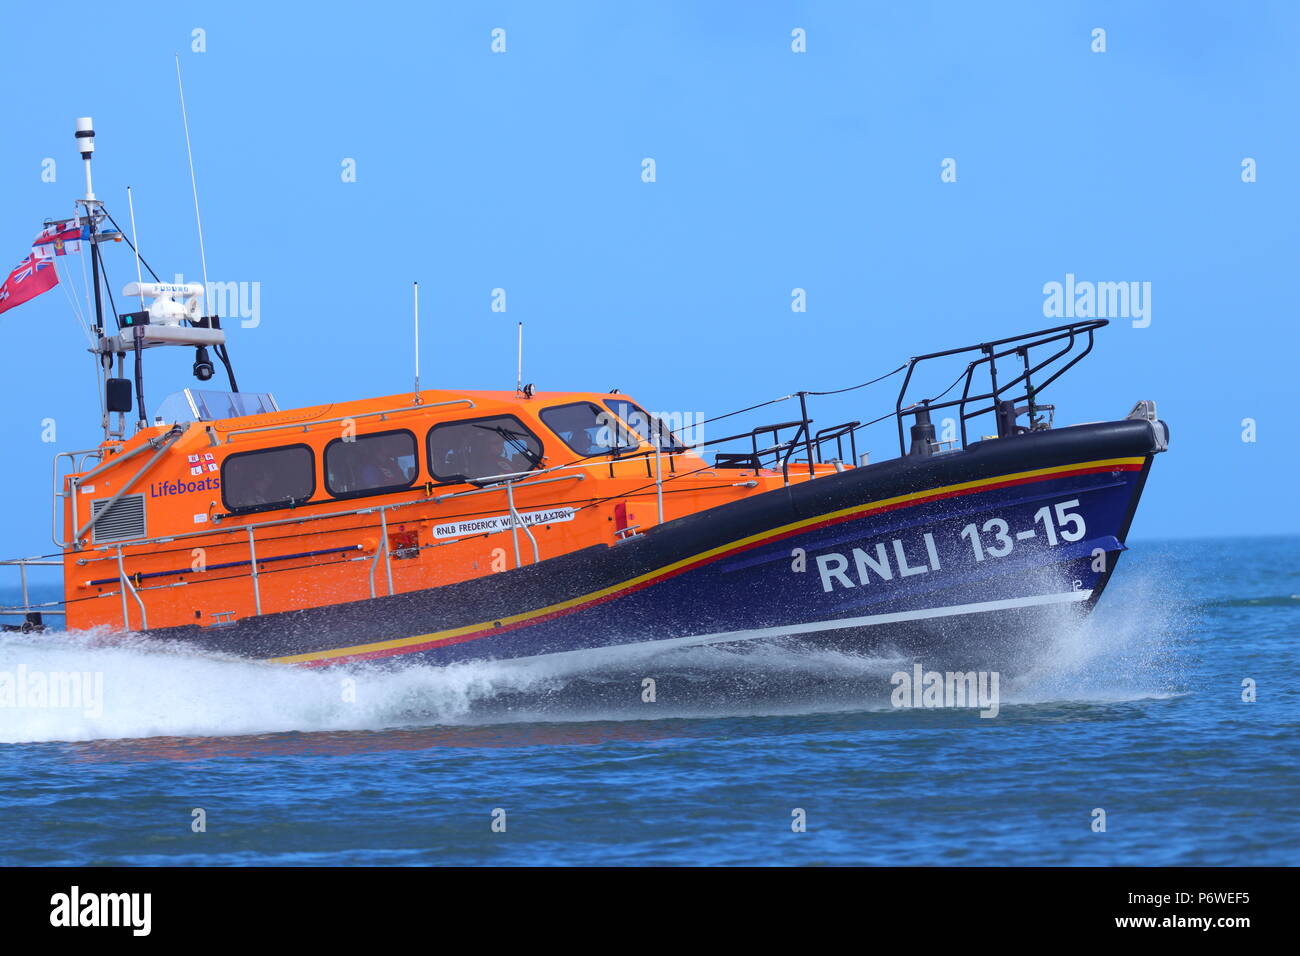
{"x": 870, "y": 620}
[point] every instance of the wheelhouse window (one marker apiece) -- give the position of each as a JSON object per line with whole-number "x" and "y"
{"x": 588, "y": 429}
{"x": 482, "y": 448}
{"x": 643, "y": 423}
{"x": 268, "y": 478}
{"x": 371, "y": 464}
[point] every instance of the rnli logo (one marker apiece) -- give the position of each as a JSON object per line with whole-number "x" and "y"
{"x": 200, "y": 465}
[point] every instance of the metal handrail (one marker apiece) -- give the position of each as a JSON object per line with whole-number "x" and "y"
{"x": 254, "y": 562}
{"x": 253, "y": 571}
{"x": 990, "y": 353}
{"x": 57, "y": 481}
{"x": 370, "y": 509}
{"x": 792, "y": 445}
{"x": 118, "y": 458}
{"x": 836, "y": 433}
{"x": 27, "y": 607}
{"x": 382, "y": 549}
{"x": 515, "y": 522}
{"x": 496, "y": 487}
{"x": 161, "y": 443}
{"x": 304, "y": 425}
{"x": 380, "y": 509}
{"x": 128, "y": 586}
{"x": 998, "y": 393}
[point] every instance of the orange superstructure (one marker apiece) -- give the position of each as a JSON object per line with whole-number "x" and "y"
{"x": 214, "y": 521}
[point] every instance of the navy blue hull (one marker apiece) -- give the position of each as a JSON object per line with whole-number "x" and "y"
{"x": 815, "y": 587}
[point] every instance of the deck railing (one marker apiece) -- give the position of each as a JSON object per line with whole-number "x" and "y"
{"x": 32, "y": 614}
{"x": 131, "y": 585}
{"x": 1003, "y": 398}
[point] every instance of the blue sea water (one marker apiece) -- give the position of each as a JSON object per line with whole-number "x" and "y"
{"x": 1136, "y": 711}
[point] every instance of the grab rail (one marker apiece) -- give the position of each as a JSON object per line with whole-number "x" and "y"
{"x": 128, "y": 586}
{"x": 382, "y": 550}
{"x": 28, "y": 608}
{"x": 990, "y": 353}
{"x": 304, "y": 425}
{"x": 160, "y": 444}
{"x": 85, "y": 454}
{"x": 114, "y": 552}
{"x": 1001, "y": 398}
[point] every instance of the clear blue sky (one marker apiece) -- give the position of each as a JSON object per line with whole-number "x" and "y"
{"x": 775, "y": 170}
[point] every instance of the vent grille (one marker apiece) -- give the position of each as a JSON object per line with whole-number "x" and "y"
{"x": 124, "y": 520}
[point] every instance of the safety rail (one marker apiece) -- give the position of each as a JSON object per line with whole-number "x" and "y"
{"x": 1003, "y": 399}
{"x": 383, "y": 413}
{"x": 127, "y": 587}
{"x": 837, "y": 434}
{"x": 77, "y": 466}
{"x": 782, "y": 452}
{"x": 130, "y": 585}
{"x": 510, "y": 484}
{"x": 32, "y": 613}
{"x": 497, "y": 482}
{"x": 78, "y": 477}
{"x": 1001, "y": 403}
{"x": 158, "y": 444}
{"x": 754, "y": 457}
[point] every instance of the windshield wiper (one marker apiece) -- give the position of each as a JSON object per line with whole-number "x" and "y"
{"x": 515, "y": 439}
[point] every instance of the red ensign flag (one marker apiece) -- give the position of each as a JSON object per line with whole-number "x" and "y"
{"x": 32, "y": 277}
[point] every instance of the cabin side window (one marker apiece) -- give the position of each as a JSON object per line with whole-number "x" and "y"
{"x": 268, "y": 478}
{"x": 588, "y": 429}
{"x": 482, "y": 448}
{"x": 642, "y": 422}
{"x": 371, "y": 464}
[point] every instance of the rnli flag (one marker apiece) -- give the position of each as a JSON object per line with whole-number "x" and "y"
{"x": 32, "y": 277}
{"x": 59, "y": 238}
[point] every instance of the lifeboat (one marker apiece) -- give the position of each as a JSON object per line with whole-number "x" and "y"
{"x": 444, "y": 526}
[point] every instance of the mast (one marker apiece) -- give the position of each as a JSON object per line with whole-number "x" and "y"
{"x": 86, "y": 143}
{"x": 85, "y": 136}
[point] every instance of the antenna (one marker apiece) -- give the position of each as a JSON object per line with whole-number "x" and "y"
{"x": 519, "y": 368}
{"x": 135, "y": 243}
{"x": 185, "y": 120}
{"x": 416, "y": 287}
